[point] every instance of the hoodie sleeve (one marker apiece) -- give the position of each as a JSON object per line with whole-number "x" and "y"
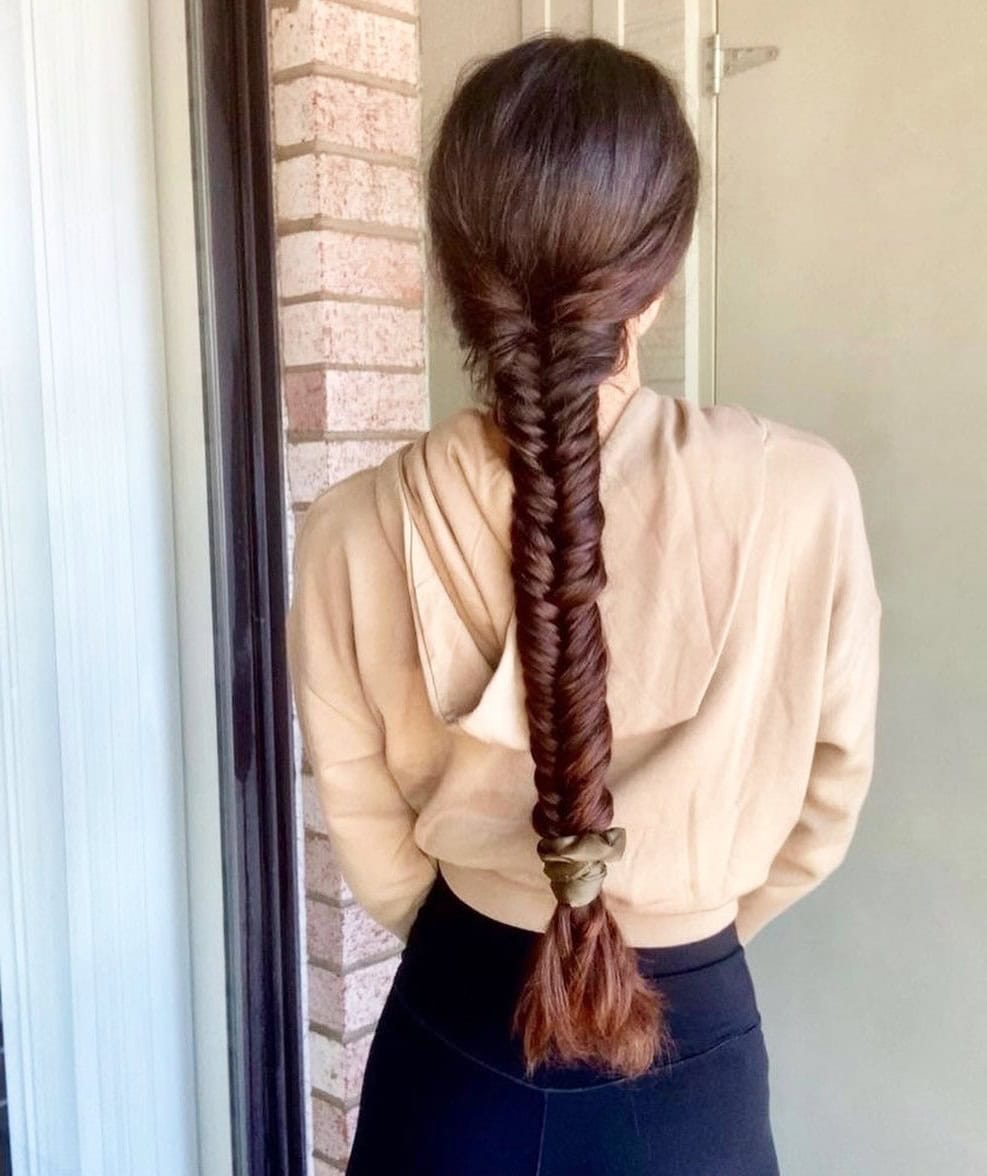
{"x": 338, "y": 630}
{"x": 843, "y": 759}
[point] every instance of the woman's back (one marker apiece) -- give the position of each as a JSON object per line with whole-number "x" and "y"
{"x": 743, "y": 624}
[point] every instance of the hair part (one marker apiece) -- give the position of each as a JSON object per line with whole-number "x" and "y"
{"x": 561, "y": 197}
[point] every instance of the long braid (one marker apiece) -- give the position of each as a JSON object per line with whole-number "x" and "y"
{"x": 562, "y": 191}
{"x": 584, "y": 997}
{"x": 514, "y": 361}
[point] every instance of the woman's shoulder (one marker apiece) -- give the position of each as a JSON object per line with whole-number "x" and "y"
{"x": 356, "y": 516}
{"x": 802, "y": 464}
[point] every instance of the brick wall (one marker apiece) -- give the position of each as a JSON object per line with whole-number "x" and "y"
{"x": 346, "y": 115}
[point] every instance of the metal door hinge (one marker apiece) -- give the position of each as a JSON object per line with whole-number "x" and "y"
{"x": 722, "y": 63}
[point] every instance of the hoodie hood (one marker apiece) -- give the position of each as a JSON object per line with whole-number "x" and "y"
{"x": 682, "y": 488}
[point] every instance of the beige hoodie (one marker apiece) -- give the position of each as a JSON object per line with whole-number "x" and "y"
{"x": 742, "y": 620}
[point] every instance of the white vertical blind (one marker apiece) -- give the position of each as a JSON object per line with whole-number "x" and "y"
{"x": 94, "y": 924}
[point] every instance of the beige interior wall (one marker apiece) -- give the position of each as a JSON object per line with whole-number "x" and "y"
{"x": 853, "y": 302}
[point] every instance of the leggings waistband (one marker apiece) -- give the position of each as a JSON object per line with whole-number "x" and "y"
{"x": 445, "y": 915}
{"x": 461, "y": 972}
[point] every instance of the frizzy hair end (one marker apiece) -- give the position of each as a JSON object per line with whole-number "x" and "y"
{"x": 561, "y": 196}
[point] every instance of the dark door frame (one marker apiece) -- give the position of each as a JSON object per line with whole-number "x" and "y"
{"x": 236, "y": 249}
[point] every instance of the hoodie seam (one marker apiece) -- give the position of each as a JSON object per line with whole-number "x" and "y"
{"x": 379, "y": 490}
{"x": 407, "y": 563}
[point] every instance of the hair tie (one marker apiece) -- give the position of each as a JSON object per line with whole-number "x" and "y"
{"x": 576, "y": 864}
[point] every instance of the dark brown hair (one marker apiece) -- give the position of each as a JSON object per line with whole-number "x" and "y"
{"x": 562, "y": 191}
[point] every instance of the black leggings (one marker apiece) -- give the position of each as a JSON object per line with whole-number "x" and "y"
{"x": 444, "y": 1093}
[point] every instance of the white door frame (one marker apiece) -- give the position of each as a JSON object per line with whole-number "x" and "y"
{"x": 113, "y": 980}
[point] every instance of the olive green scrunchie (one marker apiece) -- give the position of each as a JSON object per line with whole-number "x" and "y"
{"x": 576, "y": 865}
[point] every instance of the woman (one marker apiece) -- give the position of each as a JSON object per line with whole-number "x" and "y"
{"x": 586, "y": 674}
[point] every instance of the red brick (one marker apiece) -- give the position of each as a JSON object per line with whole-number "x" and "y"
{"x": 322, "y": 876}
{"x": 348, "y": 113}
{"x": 358, "y": 401}
{"x": 360, "y": 334}
{"x": 305, "y": 400}
{"x": 351, "y": 38}
{"x": 350, "y": 1003}
{"x": 314, "y": 466}
{"x": 337, "y": 1068}
{"x": 344, "y": 937}
{"x": 353, "y": 401}
{"x": 327, "y": 261}
{"x": 348, "y": 189}
{"x": 313, "y": 813}
{"x": 335, "y": 121}
{"x": 332, "y": 1129}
